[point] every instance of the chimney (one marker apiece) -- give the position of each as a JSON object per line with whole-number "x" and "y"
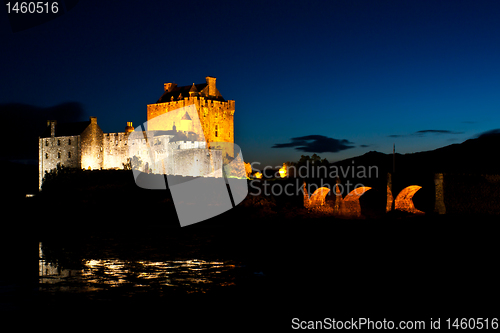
{"x": 211, "y": 85}
{"x": 129, "y": 128}
{"x": 93, "y": 120}
{"x": 52, "y": 124}
{"x": 168, "y": 87}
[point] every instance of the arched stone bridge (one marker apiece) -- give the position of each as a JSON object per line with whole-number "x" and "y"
{"x": 349, "y": 206}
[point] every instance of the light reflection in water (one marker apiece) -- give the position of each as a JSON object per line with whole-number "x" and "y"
{"x": 99, "y": 274}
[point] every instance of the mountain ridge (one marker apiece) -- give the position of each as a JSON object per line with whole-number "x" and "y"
{"x": 475, "y": 156}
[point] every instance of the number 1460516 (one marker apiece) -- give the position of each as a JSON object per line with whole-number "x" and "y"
{"x": 32, "y": 7}
{"x": 472, "y": 323}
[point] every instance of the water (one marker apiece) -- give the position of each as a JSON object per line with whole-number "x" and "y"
{"x": 96, "y": 275}
{"x": 136, "y": 276}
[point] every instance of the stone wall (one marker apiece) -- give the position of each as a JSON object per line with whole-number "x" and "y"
{"x": 54, "y": 150}
{"x": 216, "y": 118}
{"x": 184, "y": 158}
{"x": 152, "y": 150}
{"x": 197, "y": 162}
{"x": 115, "y": 150}
{"x": 92, "y": 146}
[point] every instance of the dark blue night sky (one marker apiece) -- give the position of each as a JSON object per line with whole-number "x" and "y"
{"x": 336, "y": 78}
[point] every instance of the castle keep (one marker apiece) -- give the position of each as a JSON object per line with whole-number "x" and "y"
{"x": 186, "y": 131}
{"x": 216, "y": 114}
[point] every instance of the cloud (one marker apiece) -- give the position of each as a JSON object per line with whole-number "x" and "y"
{"x": 424, "y": 132}
{"x": 316, "y": 144}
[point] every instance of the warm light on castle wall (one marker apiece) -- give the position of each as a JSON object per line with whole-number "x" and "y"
{"x": 90, "y": 163}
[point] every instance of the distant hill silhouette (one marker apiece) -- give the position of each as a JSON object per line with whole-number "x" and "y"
{"x": 473, "y": 156}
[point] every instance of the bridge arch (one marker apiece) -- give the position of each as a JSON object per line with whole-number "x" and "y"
{"x": 350, "y": 206}
{"x": 404, "y": 200}
{"x": 318, "y": 197}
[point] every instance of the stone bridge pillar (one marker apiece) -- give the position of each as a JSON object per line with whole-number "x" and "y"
{"x": 338, "y": 198}
{"x": 390, "y": 199}
{"x": 439, "y": 206}
{"x": 307, "y": 200}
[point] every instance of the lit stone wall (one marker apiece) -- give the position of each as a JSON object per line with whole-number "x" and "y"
{"x": 115, "y": 150}
{"x": 64, "y": 150}
{"x": 196, "y": 162}
{"x": 185, "y": 158}
{"x": 92, "y": 146}
{"x": 216, "y": 118}
{"x": 151, "y": 149}
{"x": 156, "y": 123}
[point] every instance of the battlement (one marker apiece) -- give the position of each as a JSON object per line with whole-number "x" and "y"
{"x": 197, "y": 100}
{"x": 118, "y": 134}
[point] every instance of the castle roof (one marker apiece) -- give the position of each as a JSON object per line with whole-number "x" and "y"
{"x": 67, "y": 129}
{"x": 193, "y": 89}
{"x": 176, "y": 92}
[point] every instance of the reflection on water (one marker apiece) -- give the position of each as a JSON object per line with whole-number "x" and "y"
{"x": 136, "y": 275}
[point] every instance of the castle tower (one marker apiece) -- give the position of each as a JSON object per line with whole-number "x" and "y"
{"x": 215, "y": 113}
{"x": 73, "y": 145}
{"x": 186, "y": 123}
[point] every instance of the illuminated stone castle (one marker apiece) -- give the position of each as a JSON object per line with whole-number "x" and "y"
{"x": 174, "y": 142}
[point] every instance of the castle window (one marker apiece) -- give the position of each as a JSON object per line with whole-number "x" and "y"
{"x": 69, "y": 154}
{"x": 46, "y": 142}
{"x": 69, "y": 141}
{"x": 46, "y": 155}
{"x": 58, "y": 154}
{"x": 216, "y": 131}
{"x": 58, "y": 142}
